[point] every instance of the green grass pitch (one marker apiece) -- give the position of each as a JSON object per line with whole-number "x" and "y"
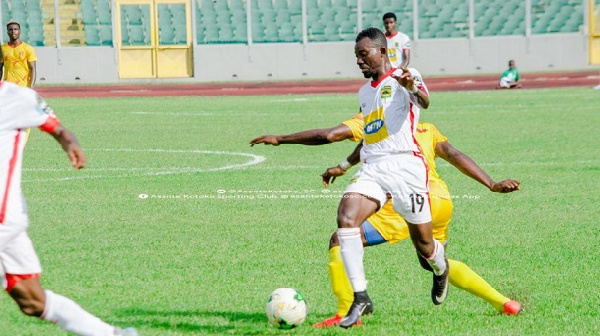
{"x": 223, "y": 224}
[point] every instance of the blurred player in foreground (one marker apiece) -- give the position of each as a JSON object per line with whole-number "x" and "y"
{"x": 21, "y": 108}
{"x": 387, "y": 225}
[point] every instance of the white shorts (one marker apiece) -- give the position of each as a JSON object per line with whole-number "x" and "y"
{"x": 17, "y": 255}
{"x": 404, "y": 178}
{"x": 505, "y": 83}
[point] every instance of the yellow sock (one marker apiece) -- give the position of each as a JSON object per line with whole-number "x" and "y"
{"x": 339, "y": 281}
{"x": 462, "y": 276}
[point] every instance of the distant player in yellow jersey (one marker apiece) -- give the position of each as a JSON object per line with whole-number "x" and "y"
{"x": 18, "y": 61}
{"x": 387, "y": 225}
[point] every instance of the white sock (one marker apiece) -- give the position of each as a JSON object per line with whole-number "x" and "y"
{"x": 436, "y": 260}
{"x": 72, "y": 318}
{"x": 352, "y": 251}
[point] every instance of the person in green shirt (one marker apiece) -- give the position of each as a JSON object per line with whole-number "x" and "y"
{"x": 510, "y": 78}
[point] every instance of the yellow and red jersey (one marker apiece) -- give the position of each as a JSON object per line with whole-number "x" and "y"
{"x": 16, "y": 63}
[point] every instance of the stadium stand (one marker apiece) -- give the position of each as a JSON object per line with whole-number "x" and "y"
{"x": 89, "y": 22}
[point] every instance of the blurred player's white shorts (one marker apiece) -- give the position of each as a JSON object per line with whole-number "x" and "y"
{"x": 505, "y": 83}
{"x": 403, "y": 177}
{"x": 17, "y": 255}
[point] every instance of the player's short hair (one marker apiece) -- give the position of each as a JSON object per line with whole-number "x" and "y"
{"x": 13, "y": 22}
{"x": 389, "y": 15}
{"x": 375, "y": 35}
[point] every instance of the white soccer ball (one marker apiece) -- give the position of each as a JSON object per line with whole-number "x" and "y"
{"x": 286, "y": 308}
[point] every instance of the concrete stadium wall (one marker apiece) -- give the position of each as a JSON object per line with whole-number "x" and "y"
{"x": 293, "y": 61}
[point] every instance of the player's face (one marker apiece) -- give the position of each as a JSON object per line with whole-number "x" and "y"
{"x": 390, "y": 25}
{"x": 368, "y": 57}
{"x": 14, "y": 32}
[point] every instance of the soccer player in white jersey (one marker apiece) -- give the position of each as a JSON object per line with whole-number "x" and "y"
{"x": 398, "y": 44}
{"x": 393, "y": 170}
{"x": 21, "y": 108}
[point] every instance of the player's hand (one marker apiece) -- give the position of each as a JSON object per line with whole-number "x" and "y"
{"x": 405, "y": 79}
{"x": 330, "y": 174}
{"x": 265, "y": 139}
{"x": 77, "y": 157}
{"x": 506, "y": 186}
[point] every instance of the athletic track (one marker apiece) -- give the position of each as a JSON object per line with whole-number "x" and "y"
{"x": 530, "y": 81}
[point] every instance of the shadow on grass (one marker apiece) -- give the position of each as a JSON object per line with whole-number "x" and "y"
{"x": 225, "y": 322}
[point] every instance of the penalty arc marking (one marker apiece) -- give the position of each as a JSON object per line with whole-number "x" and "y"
{"x": 253, "y": 160}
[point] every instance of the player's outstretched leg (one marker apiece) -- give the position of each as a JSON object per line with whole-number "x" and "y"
{"x": 341, "y": 288}
{"x": 462, "y": 276}
{"x": 55, "y": 308}
{"x": 361, "y": 305}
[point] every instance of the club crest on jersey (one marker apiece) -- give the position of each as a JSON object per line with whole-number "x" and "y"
{"x": 386, "y": 91}
{"x": 374, "y": 126}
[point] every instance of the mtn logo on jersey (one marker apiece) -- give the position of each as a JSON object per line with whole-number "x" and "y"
{"x": 386, "y": 91}
{"x": 375, "y": 129}
{"x": 374, "y": 126}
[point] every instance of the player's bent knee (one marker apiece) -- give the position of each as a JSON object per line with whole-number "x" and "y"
{"x": 27, "y": 297}
{"x": 334, "y": 241}
{"x": 344, "y": 221}
{"x": 32, "y": 307}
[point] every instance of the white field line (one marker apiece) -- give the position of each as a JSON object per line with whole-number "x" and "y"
{"x": 200, "y": 114}
{"x": 175, "y": 170}
{"x": 254, "y": 159}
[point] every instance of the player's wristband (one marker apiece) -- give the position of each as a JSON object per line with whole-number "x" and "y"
{"x": 345, "y": 165}
{"x": 414, "y": 91}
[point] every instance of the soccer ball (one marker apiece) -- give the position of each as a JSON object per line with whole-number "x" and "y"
{"x": 286, "y": 308}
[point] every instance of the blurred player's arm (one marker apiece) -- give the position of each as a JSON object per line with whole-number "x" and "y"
{"x": 331, "y": 173}
{"x": 470, "y": 168}
{"x": 69, "y": 144}
{"x": 406, "y": 80}
{"x": 1, "y": 65}
{"x": 32, "y": 71}
{"x": 406, "y": 57}
{"x": 310, "y": 137}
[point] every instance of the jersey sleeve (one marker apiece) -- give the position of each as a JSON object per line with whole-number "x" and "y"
{"x": 356, "y": 125}
{"x": 437, "y": 136}
{"x": 31, "y": 57}
{"x": 406, "y": 43}
{"x": 26, "y": 109}
{"x": 416, "y": 75}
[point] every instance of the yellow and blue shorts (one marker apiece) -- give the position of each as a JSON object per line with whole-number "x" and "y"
{"x": 387, "y": 226}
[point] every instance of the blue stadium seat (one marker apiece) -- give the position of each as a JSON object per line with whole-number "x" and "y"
{"x": 137, "y": 35}
{"x": 133, "y": 13}
{"x": 106, "y": 37}
{"x": 332, "y": 31}
{"x": 240, "y": 32}
{"x": 92, "y": 37}
{"x": 125, "y": 39}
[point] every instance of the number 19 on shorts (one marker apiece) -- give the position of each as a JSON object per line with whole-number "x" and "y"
{"x": 417, "y": 201}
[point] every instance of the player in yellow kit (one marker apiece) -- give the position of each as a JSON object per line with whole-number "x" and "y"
{"x": 18, "y": 61}
{"x": 387, "y": 225}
